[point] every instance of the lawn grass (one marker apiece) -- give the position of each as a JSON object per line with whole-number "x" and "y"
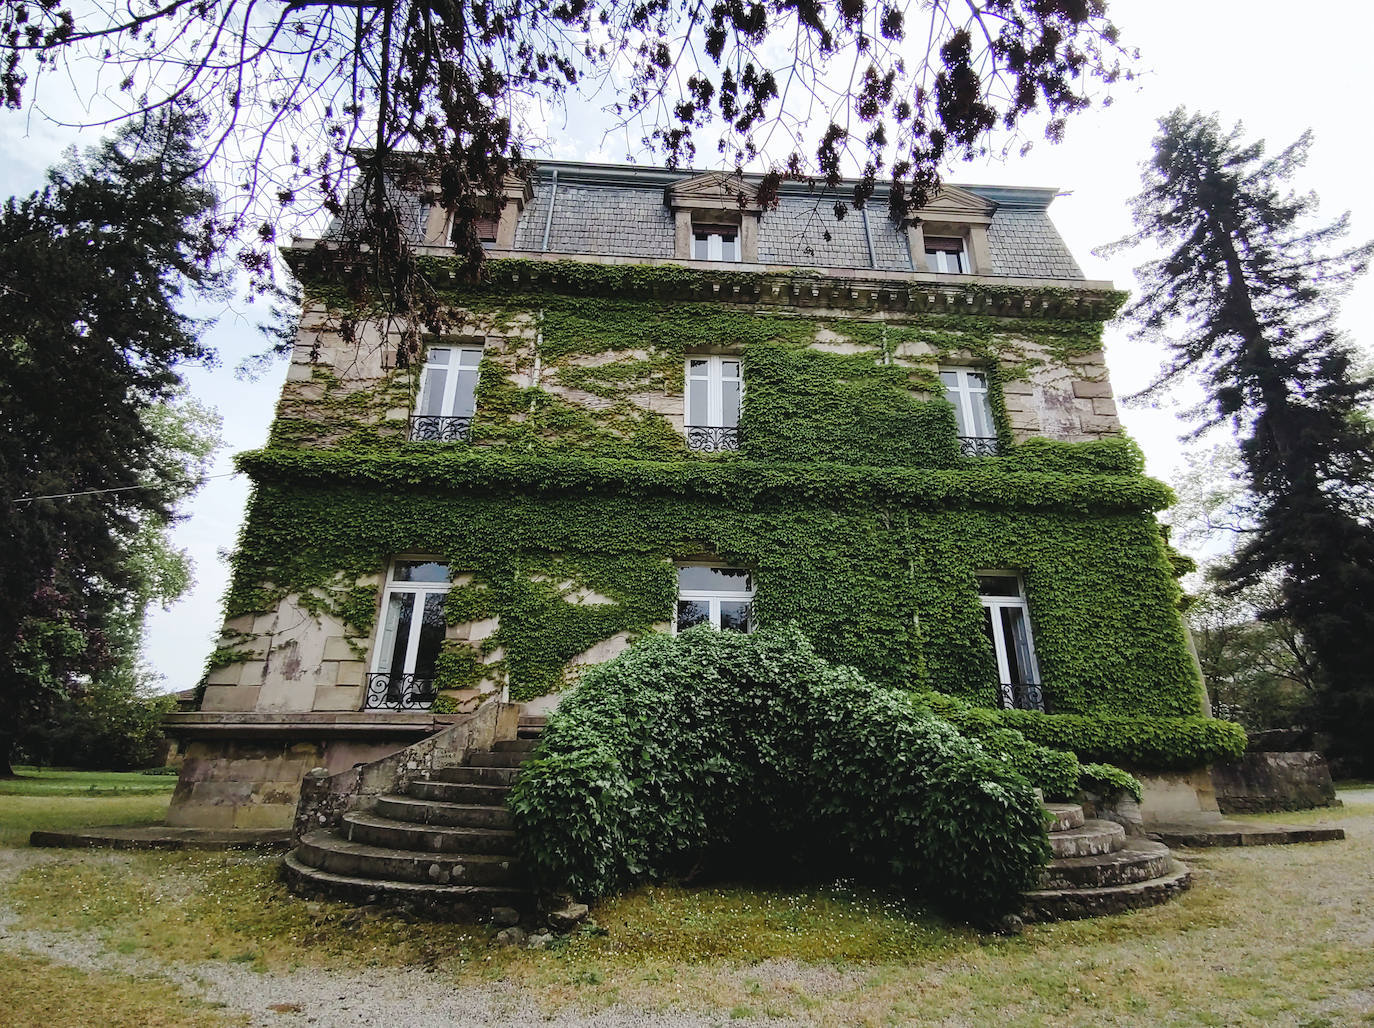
{"x": 1274, "y": 934}
{"x": 40, "y": 994}
{"x": 66, "y": 782}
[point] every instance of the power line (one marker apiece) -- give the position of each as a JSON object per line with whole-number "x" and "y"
{"x": 115, "y": 489}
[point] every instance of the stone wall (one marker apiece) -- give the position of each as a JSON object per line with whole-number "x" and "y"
{"x": 324, "y": 798}
{"x": 1260, "y": 782}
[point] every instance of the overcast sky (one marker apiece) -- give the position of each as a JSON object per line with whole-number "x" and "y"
{"x": 1279, "y": 68}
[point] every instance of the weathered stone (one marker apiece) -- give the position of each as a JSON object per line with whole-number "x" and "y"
{"x": 504, "y": 916}
{"x": 512, "y": 936}
{"x": 1259, "y": 782}
{"x": 540, "y": 941}
{"x": 567, "y": 918}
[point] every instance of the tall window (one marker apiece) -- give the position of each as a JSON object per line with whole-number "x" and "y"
{"x": 715, "y": 388}
{"x": 715, "y": 243}
{"x": 947, "y": 255}
{"x": 1006, "y": 620}
{"x": 967, "y": 389}
{"x": 448, "y": 394}
{"x": 412, "y": 630}
{"x": 715, "y": 596}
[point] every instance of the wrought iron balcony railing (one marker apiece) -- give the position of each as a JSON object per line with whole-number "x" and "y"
{"x": 388, "y": 691}
{"x": 979, "y": 445}
{"x": 708, "y": 439}
{"x": 433, "y": 428}
{"x": 1023, "y": 696}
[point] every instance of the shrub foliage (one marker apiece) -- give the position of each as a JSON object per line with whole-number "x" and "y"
{"x": 713, "y": 746}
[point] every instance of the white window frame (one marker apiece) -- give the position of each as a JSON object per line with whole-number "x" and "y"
{"x": 715, "y": 597}
{"x": 713, "y": 382}
{"x": 947, "y": 261}
{"x": 964, "y": 394}
{"x": 420, "y": 590}
{"x": 995, "y": 604}
{"x": 449, "y": 401}
{"x": 716, "y": 243}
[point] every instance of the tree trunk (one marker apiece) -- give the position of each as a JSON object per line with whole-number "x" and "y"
{"x": 6, "y": 752}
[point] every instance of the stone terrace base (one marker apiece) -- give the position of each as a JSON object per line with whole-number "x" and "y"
{"x": 1217, "y": 831}
{"x": 164, "y": 837}
{"x": 243, "y": 771}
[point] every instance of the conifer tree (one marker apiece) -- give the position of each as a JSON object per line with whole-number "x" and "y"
{"x": 92, "y": 270}
{"x": 1245, "y": 298}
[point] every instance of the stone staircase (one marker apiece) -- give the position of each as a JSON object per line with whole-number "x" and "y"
{"x": 1097, "y": 869}
{"x": 444, "y": 848}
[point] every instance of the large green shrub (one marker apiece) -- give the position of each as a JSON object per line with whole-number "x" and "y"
{"x": 1143, "y": 743}
{"x": 713, "y": 747}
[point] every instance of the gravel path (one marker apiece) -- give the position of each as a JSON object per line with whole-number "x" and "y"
{"x": 385, "y": 997}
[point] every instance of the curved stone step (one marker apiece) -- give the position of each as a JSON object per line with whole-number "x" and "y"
{"x": 1138, "y": 861}
{"x": 525, "y": 746}
{"x": 1066, "y": 816}
{"x": 1090, "y": 838}
{"x": 435, "y": 812}
{"x": 326, "y": 850}
{"x": 1069, "y": 904}
{"x": 455, "y": 792}
{"x": 439, "y": 902}
{"x": 476, "y": 775}
{"x": 374, "y": 830}
{"x": 497, "y": 758}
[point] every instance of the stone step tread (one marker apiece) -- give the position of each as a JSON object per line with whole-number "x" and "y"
{"x": 447, "y": 811}
{"x": 1138, "y": 861}
{"x": 1178, "y": 874}
{"x": 479, "y": 898}
{"x": 329, "y": 839}
{"x": 458, "y": 792}
{"x": 450, "y": 836}
{"x": 1066, "y": 816}
{"x": 1232, "y": 833}
{"x": 1137, "y": 849}
{"x": 476, "y": 775}
{"x": 1091, "y": 837}
{"x": 515, "y": 745}
{"x": 493, "y": 758}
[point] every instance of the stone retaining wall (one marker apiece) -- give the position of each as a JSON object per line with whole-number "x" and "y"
{"x": 1261, "y": 782}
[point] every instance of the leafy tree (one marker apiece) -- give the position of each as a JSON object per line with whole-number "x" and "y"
{"x": 111, "y": 724}
{"x": 93, "y": 267}
{"x": 1245, "y": 296}
{"x": 412, "y": 93}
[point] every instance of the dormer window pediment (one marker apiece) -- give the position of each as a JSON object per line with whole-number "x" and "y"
{"x": 949, "y": 235}
{"x": 706, "y": 210}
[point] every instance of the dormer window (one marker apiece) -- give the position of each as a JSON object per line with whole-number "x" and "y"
{"x": 947, "y": 255}
{"x": 715, "y": 243}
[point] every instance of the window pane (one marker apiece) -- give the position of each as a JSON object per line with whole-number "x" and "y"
{"x": 998, "y": 585}
{"x": 419, "y": 571}
{"x": 693, "y": 612}
{"x": 432, "y": 391}
{"x": 950, "y": 380}
{"x": 1017, "y": 634}
{"x": 983, "y": 424}
{"x": 697, "y": 397}
{"x": 729, "y": 403}
{"x": 437, "y": 355}
{"x": 735, "y": 615}
{"x": 977, "y": 380}
{"x": 469, "y": 358}
{"x": 431, "y": 635}
{"x": 699, "y": 246}
{"x": 465, "y": 394}
{"x": 987, "y": 626}
{"x": 698, "y": 367}
{"x": 396, "y": 632}
{"x": 699, "y": 578}
{"x": 729, "y": 369}
{"x": 729, "y": 247}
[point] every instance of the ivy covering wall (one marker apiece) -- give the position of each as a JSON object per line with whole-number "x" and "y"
{"x": 849, "y": 500}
